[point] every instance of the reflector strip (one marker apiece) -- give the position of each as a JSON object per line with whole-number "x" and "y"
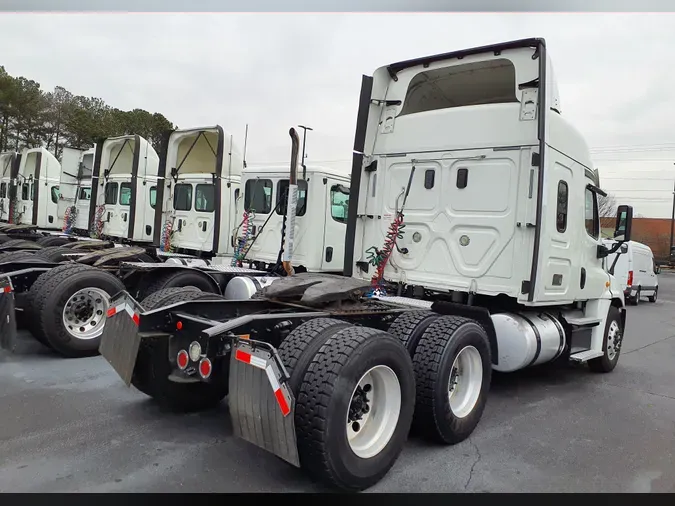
{"x": 247, "y": 358}
{"x": 278, "y": 393}
{"x": 124, "y": 307}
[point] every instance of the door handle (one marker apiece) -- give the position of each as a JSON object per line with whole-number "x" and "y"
{"x": 204, "y": 226}
{"x": 180, "y": 225}
{"x": 125, "y": 217}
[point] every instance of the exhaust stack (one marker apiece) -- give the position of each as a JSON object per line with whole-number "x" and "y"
{"x": 291, "y": 204}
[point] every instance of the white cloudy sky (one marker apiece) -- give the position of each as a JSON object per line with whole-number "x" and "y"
{"x": 274, "y": 71}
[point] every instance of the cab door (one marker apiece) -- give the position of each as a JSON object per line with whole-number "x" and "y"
{"x": 335, "y": 228}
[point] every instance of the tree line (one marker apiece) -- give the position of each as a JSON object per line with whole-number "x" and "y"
{"x": 31, "y": 117}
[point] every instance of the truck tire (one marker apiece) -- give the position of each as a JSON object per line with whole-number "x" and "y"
{"x": 410, "y": 326}
{"x": 53, "y": 253}
{"x": 611, "y": 344}
{"x": 15, "y": 256}
{"x": 300, "y": 346}
{"x": 20, "y": 243}
{"x": 71, "y": 309}
{"x": 177, "y": 279}
{"x": 355, "y": 454}
{"x": 52, "y": 240}
{"x": 30, "y": 314}
{"x": 152, "y": 369}
{"x": 458, "y": 348}
{"x": 652, "y": 298}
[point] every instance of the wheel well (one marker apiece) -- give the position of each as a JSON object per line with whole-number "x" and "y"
{"x": 480, "y": 314}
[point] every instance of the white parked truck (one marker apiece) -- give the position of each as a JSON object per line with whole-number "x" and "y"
{"x": 201, "y": 171}
{"x": 320, "y": 218}
{"x": 75, "y": 190}
{"x": 463, "y": 255}
{"x": 125, "y": 169}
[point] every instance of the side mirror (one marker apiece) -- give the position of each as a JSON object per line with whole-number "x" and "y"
{"x": 624, "y": 222}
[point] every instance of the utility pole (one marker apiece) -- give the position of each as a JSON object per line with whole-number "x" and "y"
{"x": 672, "y": 223}
{"x": 304, "y": 167}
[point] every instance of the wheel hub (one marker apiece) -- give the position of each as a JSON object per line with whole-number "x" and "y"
{"x": 614, "y": 339}
{"x": 84, "y": 313}
{"x": 465, "y": 381}
{"x": 359, "y": 406}
{"x": 374, "y": 409}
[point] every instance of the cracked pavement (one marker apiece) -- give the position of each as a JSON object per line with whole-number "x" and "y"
{"x": 71, "y": 425}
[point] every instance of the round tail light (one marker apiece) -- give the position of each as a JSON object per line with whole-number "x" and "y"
{"x": 205, "y": 368}
{"x": 182, "y": 359}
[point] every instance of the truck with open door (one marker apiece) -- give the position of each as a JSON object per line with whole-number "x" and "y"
{"x": 200, "y": 170}
{"x": 75, "y": 190}
{"x": 125, "y": 169}
{"x": 463, "y": 256}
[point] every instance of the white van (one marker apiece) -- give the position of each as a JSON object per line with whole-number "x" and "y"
{"x": 635, "y": 271}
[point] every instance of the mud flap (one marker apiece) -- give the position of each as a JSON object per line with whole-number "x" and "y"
{"x": 262, "y": 405}
{"x": 120, "y": 339}
{"x": 8, "y": 328}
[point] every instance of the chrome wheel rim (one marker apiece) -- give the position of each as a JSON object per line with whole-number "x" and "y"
{"x": 613, "y": 340}
{"x": 85, "y": 312}
{"x": 374, "y": 411}
{"x": 465, "y": 382}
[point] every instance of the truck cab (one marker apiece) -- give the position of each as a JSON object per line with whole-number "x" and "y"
{"x": 201, "y": 172}
{"x": 125, "y": 169}
{"x": 73, "y": 206}
{"x": 38, "y": 180}
{"x": 320, "y": 223}
{"x": 9, "y": 166}
{"x": 486, "y": 209}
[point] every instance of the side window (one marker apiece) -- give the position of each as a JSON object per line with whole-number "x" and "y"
{"x": 591, "y": 214}
{"x": 153, "y": 196}
{"x": 339, "y": 203}
{"x": 561, "y": 218}
{"x": 55, "y": 194}
{"x": 282, "y": 188}
{"x": 205, "y": 197}
{"x": 258, "y": 196}
{"x": 85, "y": 193}
{"x": 24, "y": 191}
{"x": 182, "y": 197}
{"x": 3, "y": 190}
{"x": 125, "y": 194}
{"x": 111, "y": 193}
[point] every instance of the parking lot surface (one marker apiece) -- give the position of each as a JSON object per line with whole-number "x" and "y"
{"x": 71, "y": 425}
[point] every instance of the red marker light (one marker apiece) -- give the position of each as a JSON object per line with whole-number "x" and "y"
{"x": 182, "y": 359}
{"x": 179, "y": 325}
{"x": 205, "y": 368}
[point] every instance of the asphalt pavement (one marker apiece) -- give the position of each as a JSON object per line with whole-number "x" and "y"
{"x": 72, "y": 426}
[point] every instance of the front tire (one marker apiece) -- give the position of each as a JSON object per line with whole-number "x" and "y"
{"x": 453, "y": 370}
{"x": 354, "y": 408}
{"x": 611, "y": 345}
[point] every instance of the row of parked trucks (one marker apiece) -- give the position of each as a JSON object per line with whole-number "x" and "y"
{"x": 338, "y": 313}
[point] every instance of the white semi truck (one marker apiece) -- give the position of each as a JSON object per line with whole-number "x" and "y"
{"x": 464, "y": 254}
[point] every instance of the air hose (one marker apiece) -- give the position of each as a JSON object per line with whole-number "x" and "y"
{"x": 380, "y": 257}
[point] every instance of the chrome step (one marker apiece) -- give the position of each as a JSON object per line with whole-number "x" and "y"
{"x": 585, "y": 356}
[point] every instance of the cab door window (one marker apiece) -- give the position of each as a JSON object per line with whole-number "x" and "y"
{"x": 591, "y": 214}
